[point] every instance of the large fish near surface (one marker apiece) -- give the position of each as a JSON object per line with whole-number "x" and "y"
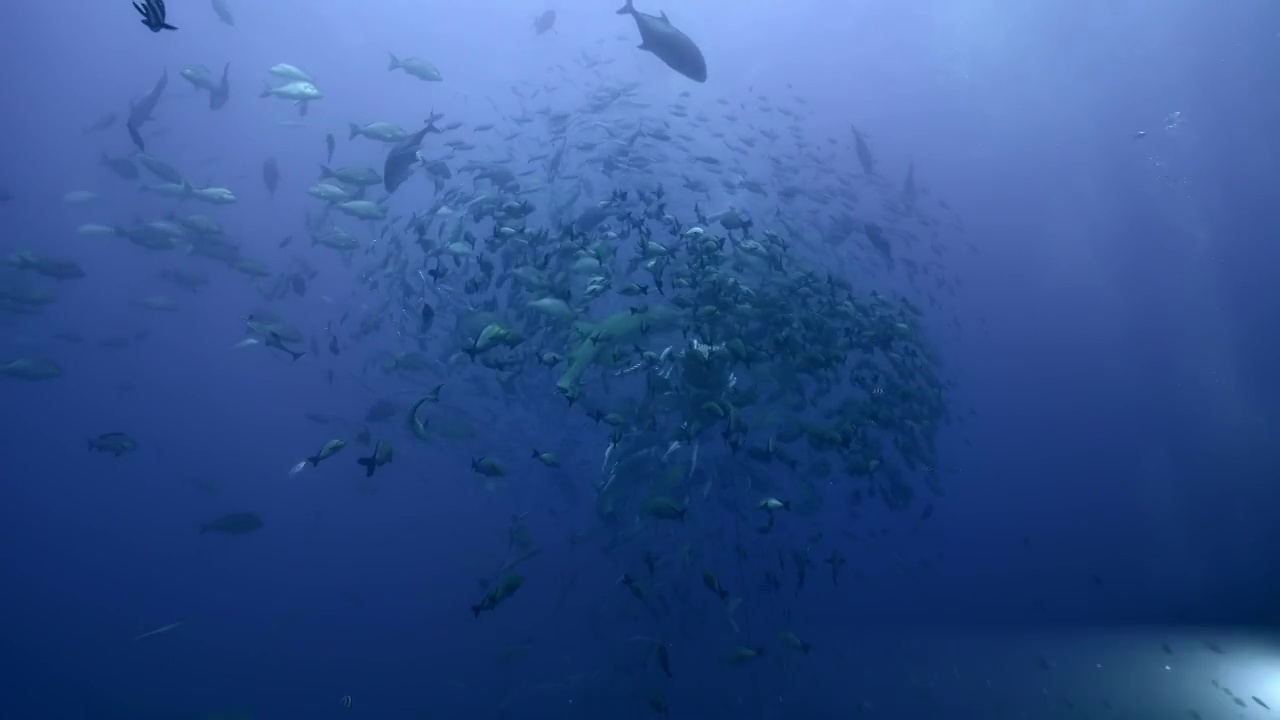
{"x": 401, "y": 159}
{"x": 673, "y": 47}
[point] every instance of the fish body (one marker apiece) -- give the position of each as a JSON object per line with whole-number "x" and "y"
{"x": 400, "y": 160}
{"x": 545, "y": 22}
{"x": 115, "y": 443}
{"x": 382, "y": 454}
{"x": 668, "y": 43}
{"x": 298, "y": 91}
{"x": 236, "y": 523}
{"x": 417, "y": 67}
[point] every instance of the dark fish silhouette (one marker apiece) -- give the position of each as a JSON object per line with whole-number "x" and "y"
{"x": 135, "y": 136}
{"x": 271, "y": 175}
{"x": 153, "y": 15}
{"x": 545, "y": 22}
{"x": 102, "y": 123}
{"x": 140, "y": 112}
{"x": 219, "y": 96}
{"x": 428, "y": 316}
{"x": 236, "y": 523}
{"x": 673, "y": 47}
{"x": 402, "y": 157}
{"x": 329, "y": 144}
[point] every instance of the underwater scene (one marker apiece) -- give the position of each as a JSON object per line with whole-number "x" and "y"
{"x": 640, "y": 360}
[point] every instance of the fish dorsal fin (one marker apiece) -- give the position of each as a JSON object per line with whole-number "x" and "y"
{"x": 662, "y": 14}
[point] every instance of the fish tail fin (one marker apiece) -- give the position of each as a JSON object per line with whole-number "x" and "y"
{"x": 395, "y": 61}
{"x": 296, "y": 354}
{"x": 314, "y": 460}
{"x": 266, "y": 90}
{"x": 475, "y": 610}
{"x": 204, "y": 528}
{"x": 368, "y": 464}
{"x": 536, "y": 453}
{"x": 353, "y": 132}
{"x": 626, "y": 9}
{"x": 325, "y": 171}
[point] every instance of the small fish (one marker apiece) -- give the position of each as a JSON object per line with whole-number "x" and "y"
{"x": 428, "y": 317}
{"x": 236, "y": 523}
{"x": 136, "y": 137}
{"x": 271, "y": 175}
{"x": 329, "y": 449}
{"x": 330, "y": 144}
{"x": 160, "y": 630}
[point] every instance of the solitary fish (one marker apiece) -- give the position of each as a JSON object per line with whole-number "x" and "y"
{"x": 545, "y": 22}
{"x": 236, "y": 523}
{"x": 673, "y": 47}
{"x": 159, "y": 631}
{"x": 271, "y": 175}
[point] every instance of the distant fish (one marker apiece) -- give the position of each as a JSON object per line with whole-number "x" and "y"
{"x": 236, "y": 523}
{"x": 670, "y": 45}
{"x": 140, "y": 111}
{"x": 329, "y": 143}
{"x": 159, "y": 631}
{"x": 102, "y": 123}
{"x": 219, "y": 95}
{"x": 545, "y": 22}
{"x": 223, "y": 12}
{"x": 271, "y": 175}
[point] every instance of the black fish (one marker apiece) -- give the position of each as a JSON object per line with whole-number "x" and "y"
{"x": 402, "y": 157}
{"x": 660, "y": 37}
{"x": 428, "y": 316}
{"x": 285, "y": 242}
{"x": 153, "y": 15}
{"x": 333, "y": 345}
{"x": 329, "y": 143}
{"x": 271, "y": 175}
{"x": 219, "y": 96}
{"x": 136, "y": 137}
{"x": 544, "y": 22}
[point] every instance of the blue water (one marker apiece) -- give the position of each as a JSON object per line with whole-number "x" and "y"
{"x": 1110, "y": 345}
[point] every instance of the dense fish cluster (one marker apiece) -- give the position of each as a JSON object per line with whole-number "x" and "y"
{"x": 706, "y": 329}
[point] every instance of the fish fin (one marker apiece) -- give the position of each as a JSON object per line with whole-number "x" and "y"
{"x": 627, "y": 9}
{"x": 663, "y": 15}
{"x": 395, "y": 61}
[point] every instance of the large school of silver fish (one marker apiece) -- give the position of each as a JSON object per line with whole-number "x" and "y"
{"x": 713, "y": 334}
